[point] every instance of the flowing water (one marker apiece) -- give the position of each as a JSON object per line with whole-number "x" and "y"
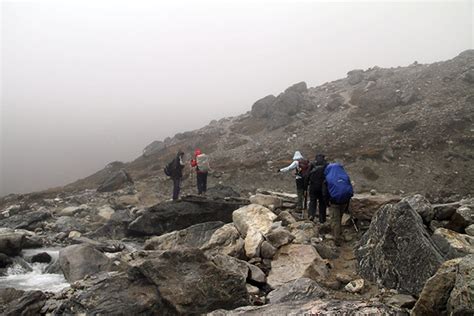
{"x": 23, "y": 275}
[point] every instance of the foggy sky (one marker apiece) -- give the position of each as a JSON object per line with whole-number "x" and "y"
{"x": 84, "y": 84}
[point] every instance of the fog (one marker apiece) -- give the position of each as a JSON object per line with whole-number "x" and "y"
{"x": 85, "y": 83}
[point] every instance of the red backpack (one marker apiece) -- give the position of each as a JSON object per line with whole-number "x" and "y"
{"x": 303, "y": 167}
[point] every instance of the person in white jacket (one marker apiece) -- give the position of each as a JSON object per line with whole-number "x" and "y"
{"x": 300, "y": 165}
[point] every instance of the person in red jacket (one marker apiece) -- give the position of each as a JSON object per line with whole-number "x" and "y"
{"x": 201, "y": 163}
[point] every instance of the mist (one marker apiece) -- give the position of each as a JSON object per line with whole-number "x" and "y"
{"x": 84, "y": 83}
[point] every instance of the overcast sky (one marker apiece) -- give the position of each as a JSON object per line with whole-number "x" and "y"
{"x": 85, "y": 84}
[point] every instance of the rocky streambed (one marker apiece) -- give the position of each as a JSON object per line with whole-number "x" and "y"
{"x": 234, "y": 255}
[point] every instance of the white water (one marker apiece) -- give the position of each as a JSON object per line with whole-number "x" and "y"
{"x": 31, "y": 276}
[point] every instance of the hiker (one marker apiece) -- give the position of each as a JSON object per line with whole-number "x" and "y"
{"x": 201, "y": 163}
{"x": 340, "y": 192}
{"x": 317, "y": 188}
{"x": 300, "y": 165}
{"x": 175, "y": 171}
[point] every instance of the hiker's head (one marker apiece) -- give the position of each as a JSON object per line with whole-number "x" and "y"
{"x": 297, "y": 156}
{"x": 197, "y": 152}
{"x": 180, "y": 154}
{"x": 320, "y": 158}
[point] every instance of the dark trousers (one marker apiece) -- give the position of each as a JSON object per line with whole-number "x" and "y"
{"x": 300, "y": 191}
{"x": 315, "y": 196}
{"x": 176, "y": 187}
{"x": 201, "y": 182}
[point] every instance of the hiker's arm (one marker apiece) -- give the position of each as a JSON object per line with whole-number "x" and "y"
{"x": 293, "y": 165}
{"x": 193, "y": 163}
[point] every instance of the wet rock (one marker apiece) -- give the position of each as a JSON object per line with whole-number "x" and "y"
{"x": 117, "y": 294}
{"x": 300, "y": 289}
{"x": 422, "y": 206}
{"x": 294, "y": 261}
{"x": 397, "y": 251}
{"x": 11, "y": 242}
{"x": 42, "y": 257}
{"x": 253, "y": 242}
{"x": 286, "y": 218}
{"x": 279, "y": 237}
{"x": 5, "y": 261}
{"x": 253, "y": 216}
{"x": 266, "y": 200}
{"x": 267, "y": 251}
{"x": 170, "y": 216}
{"x": 78, "y": 261}
{"x": 115, "y": 181}
{"x": 194, "y": 236}
{"x": 434, "y": 298}
{"x": 364, "y": 206}
{"x": 225, "y": 240}
{"x": 355, "y": 286}
{"x": 28, "y": 304}
{"x": 462, "y": 218}
{"x": 452, "y": 244}
{"x": 191, "y": 283}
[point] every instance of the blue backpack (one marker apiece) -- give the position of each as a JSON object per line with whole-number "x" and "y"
{"x": 338, "y": 183}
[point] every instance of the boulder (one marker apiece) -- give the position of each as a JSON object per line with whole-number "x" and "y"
{"x": 253, "y": 242}
{"x": 263, "y": 107}
{"x": 355, "y": 76}
{"x": 194, "y": 236}
{"x": 153, "y": 148}
{"x": 115, "y": 181}
{"x": 279, "y": 237}
{"x": 78, "y": 261}
{"x": 30, "y": 303}
{"x": 170, "y": 216}
{"x": 365, "y": 205}
{"x": 116, "y": 294}
{"x": 444, "y": 212}
{"x": 316, "y": 307}
{"x": 335, "y": 102}
{"x": 441, "y": 293}
{"x": 303, "y": 232}
{"x": 288, "y": 103}
{"x": 191, "y": 283}
{"x": 29, "y": 221}
{"x": 296, "y": 290}
{"x": 115, "y": 228}
{"x": 267, "y": 251}
{"x": 285, "y": 218}
{"x": 105, "y": 212}
{"x": 294, "y": 261}
{"x": 355, "y": 286}
{"x": 231, "y": 264}
{"x": 253, "y": 216}
{"x": 299, "y": 87}
{"x": 266, "y": 200}
{"x": 5, "y": 261}
{"x": 402, "y": 300}
{"x": 225, "y": 240}
{"x": 462, "y": 218}
{"x": 42, "y": 257}
{"x": 256, "y": 274}
{"x": 11, "y": 242}
{"x": 470, "y": 230}
{"x": 397, "y": 252}
{"x": 67, "y": 224}
{"x": 422, "y": 206}
{"x": 452, "y": 244}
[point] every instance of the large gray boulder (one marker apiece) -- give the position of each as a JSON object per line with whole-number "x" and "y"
{"x": 299, "y": 87}
{"x": 449, "y": 291}
{"x": 191, "y": 283}
{"x": 78, "y": 261}
{"x": 115, "y": 228}
{"x": 263, "y": 107}
{"x": 194, "y": 236}
{"x": 288, "y": 103}
{"x": 170, "y": 216}
{"x": 115, "y": 181}
{"x": 11, "y": 242}
{"x": 397, "y": 251}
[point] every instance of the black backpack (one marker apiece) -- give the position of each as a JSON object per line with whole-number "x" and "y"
{"x": 303, "y": 168}
{"x": 170, "y": 168}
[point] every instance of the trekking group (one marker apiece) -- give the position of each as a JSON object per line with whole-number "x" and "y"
{"x": 328, "y": 184}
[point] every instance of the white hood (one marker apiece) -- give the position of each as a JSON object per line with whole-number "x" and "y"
{"x": 297, "y": 156}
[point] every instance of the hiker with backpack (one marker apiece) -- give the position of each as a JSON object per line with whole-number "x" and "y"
{"x": 301, "y": 166}
{"x": 201, "y": 163}
{"x": 340, "y": 192}
{"x": 174, "y": 170}
{"x": 317, "y": 188}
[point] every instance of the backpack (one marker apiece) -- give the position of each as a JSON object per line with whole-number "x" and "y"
{"x": 338, "y": 183}
{"x": 170, "y": 168}
{"x": 202, "y": 161}
{"x": 303, "y": 168}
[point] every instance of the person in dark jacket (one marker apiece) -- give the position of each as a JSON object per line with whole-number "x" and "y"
{"x": 177, "y": 174}
{"x": 317, "y": 188}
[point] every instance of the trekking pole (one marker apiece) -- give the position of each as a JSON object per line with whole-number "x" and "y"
{"x": 352, "y": 217}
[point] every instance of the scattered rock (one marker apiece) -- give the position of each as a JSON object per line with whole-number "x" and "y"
{"x": 105, "y": 212}
{"x": 294, "y": 261}
{"x": 72, "y": 210}
{"x": 326, "y": 251}
{"x": 266, "y": 200}
{"x": 402, "y": 301}
{"x": 29, "y": 221}
{"x": 74, "y": 234}
{"x": 343, "y": 278}
{"x": 225, "y": 240}
{"x": 470, "y": 230}
{"x": 252, "y": 242}
{"x": 462, "y": 218}
{"x": 355, "y": 286}
{"x": 279, "y": 237}
{"x": 397, "y": 251}
{"x": 67, "y": 224}
{"x": 452, "y": 244}
{"x": 286, "y": 218}
{"x": 444, "y": 211}
{"x": 252, "y": 290}
{"x": 256, "y": 274}
{"x": 303, "y": 232}
{"x": 364, "y": 206}
{"x": 296, "y": 290}
{"x": 267, "y": 251}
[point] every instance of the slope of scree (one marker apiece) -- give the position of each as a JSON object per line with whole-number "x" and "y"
{"x": 401, "y": 130}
